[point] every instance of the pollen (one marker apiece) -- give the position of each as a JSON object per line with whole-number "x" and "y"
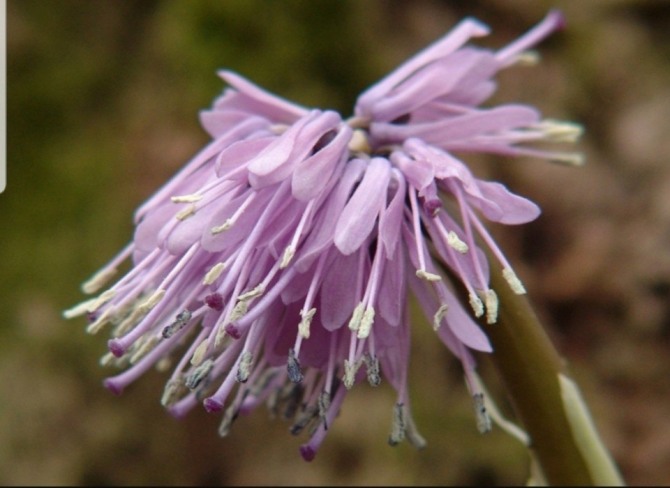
{"x": 214, "y": 273}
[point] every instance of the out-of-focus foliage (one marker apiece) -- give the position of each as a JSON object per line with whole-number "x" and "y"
{"x": 102, "y": 108}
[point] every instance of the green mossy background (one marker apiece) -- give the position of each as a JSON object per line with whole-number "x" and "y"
{"x": 102, "y": 100}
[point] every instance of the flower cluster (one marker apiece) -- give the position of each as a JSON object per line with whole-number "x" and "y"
{"x": 274, "y": 268}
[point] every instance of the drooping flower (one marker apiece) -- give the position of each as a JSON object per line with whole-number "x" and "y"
{"x": 275, "y": 266}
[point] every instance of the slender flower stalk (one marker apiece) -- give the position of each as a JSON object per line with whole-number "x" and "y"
{"x": 274, "y": 268}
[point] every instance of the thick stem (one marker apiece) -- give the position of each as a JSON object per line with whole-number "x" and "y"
{"x": 534, "y": 376}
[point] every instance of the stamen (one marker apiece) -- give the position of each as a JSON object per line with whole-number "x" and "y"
{"x": 244, "y": 367}
{"x": 186, "y": 198}
{"x": 253, "y": 293}
{"x": 454, "y": 241}
{"x": 439, "y": 315}
{"x": 425, "y": 275}
{"x": 217, "y": 229}
{"x": 303, "y": 327}
{"x": 173, "y": 391}
{"x": 293, "y": 367}
{"x": 289, "y": 252}
{"x": 359, "y": 142}
{"x": 350, "y": 370}
{"x": 107, "y": 359}
{"x": 356, "y": 317}
{"x": 398, "y": 426}
{"x": 483, "y": 419}
{"x": 307, "y": 416}
{"x": 324, "y": 404}
{"x": 491, "y": 301}
{"x": 101, "y": 300}
{"x": 372, "y": 366}
{"x": 199, "y": 353}
{"x": 79, "y": 309}
{"x": 101, "y": 321}
{"x": 147, "y": 346}
{"x": 180, "y": 322}
{"x": 560, "y": 131}
{"x": 214, "y": 273}
{"x": 185, "y": 213}
{"x": 476, "y": 304}
{"x": 366, "y": 323}
{"x": 98, "y": 280}
{"x": 239, "y": 310}
{"x": 513, "y": 281}
{"x": 195, "y": 378}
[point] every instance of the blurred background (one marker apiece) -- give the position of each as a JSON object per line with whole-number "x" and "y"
{"x": 103, "y": 98}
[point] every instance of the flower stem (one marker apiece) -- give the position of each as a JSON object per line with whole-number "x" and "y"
{"x": 562, "y": 436}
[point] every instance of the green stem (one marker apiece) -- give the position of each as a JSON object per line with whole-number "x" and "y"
{"x": 562, "y": 437}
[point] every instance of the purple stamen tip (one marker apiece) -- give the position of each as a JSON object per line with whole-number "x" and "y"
{"x": 233, "y": 331}
{"x": 212, "y": 405}
{"x": 116, "y": 347}
{"x": 307, "y": 452}
{"x": 113, "y": 386}
{"x": 214, "y": 301}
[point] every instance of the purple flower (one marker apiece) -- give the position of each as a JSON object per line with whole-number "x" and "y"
{"x": 275, "y": 266}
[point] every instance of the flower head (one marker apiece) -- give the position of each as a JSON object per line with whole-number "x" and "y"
{"x": 275, "y": 266}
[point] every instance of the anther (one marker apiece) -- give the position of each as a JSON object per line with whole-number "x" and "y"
{"x": 214, "y": 273}
{"x": 356, "y": 317}
{"x": 186, "y": 198}
{"x": 180, "y": 322}
{"x": 199, "y": 353}
{"x": 513, "y": 281}
{"x": 359, "y": 142}
{"x": 350, "y": 370}
{"x": 491, "y": 301}
{"x": 372, "y": 367}
{"x": 366, "y": 323}
{"x": 185, "y": 213}
{"x": 398, "y": 425}
{"x": 172, "y": 392}
{"x": 439, "y": 315}
{"x": 253, "y": 293}
{"x": 456, "y": 243}
{"x": 147, "y": 345}
{"x": 244, "y": 367}
{"x": 195, "y": 378}
{"x": 425, "y": 275}
{"x": 476, "y": 304}
{"x": 98, "y": 280}
{"x": 289, "y": 252}
{"x": 483, "y": 419}
{"x": 324, "y": 404}
{"x": 303, "y": 327}
{"x": 293, "y": 367}
{"x": 217, "y": 229}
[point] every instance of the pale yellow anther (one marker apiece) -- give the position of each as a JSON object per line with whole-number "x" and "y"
{"x": 356, "y": 317}
{"x": 456, "y": 243}
{"x": 185, "y": 213}
{"x": 359, "y": 142}
{"x": 528, "y": 58}
{"x": 101, "y": 300}
{"x": 147, "y": 345}
{"x": 350, "y": 370}
{"x": 439, "y": 315}
{"x": 152, "y": 301}
{"x": 107, "y": 359}
{"x": 98, "y": 280}
{"x": 173, "y": 390}
{"x": 217, "y": 229}
{"x": 100, "y": 322}
{"x": 239, "y": 310}
{"x": 513, "y": 281}
{"x": 199, "y": 353}
{"x": 186, "y": 198}
{"x": 425, "y": 275}
{"x": 366, "y": 323}
{"x": 289, "y": 252}
{"x": 79, "y": 309}
{"x": 560, "y": 131}
{"x": 491, "y": 302}
{"x": 303, "y": 327}
{"x": 253, "y": 293}
{"x": 244, "y": 367}
{"x": 214, "y": 273}
{"x": 568, "y": 158}
{"x": 476, "y": 304}
{"x": 220, "y": 335}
